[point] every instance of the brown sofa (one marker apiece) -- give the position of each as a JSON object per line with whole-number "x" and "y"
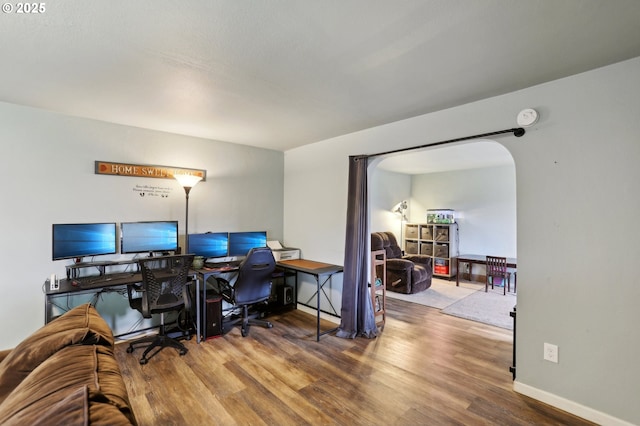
{"x": 65, "y": 373}
{"x": 405, "y": 274}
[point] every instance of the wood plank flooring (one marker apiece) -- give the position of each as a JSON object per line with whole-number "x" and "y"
{"x": 425, "y": 368}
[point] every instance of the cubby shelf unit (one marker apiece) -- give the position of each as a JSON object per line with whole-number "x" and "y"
{"x": 439, "y": 241}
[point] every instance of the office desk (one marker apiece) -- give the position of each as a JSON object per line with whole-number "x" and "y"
{"x": 67, "y": 288}
{"x": 322, "y": 272}
{"x": 479, "y": 259}
{"x": 107, "y": 282}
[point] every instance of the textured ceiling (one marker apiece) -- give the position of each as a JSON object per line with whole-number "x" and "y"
{"x": 283, "y": 73}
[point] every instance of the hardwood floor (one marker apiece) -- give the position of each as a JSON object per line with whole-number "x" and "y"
{"x": 425, "y": 368}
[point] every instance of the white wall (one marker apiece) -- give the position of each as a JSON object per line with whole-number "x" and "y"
{"x": 576, "y": 286}
{"x": 386, "y": 189}
{"x": 47, "y": 165}
{"x": 484, "y": 201}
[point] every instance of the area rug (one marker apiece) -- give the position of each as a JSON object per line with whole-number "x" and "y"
{"x": 468, "y": 301}
{"x": 490, "y": 308}
{"x": 441, "y": 294}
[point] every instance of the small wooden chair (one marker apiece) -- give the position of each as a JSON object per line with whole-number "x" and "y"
{"x": 497, "y": 268}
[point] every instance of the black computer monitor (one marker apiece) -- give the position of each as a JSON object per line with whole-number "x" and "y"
{"x": 75, "y": 240}
{"x": 152, "y": 236}
{"x": 210, "y": 244}
{"x": 241, "y": 242}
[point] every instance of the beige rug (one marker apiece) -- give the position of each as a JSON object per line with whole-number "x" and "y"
{"x": 468, "y": 301}
{"x": 441, "y": 294}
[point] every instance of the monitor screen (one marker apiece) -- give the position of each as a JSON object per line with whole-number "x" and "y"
{"x": 157, "y": 236}
{"x": 211, "y": 244}
{"x": 73, "y": 240}
{"x": 241, "y": 242}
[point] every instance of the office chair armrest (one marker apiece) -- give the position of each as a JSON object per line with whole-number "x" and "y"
{"x": 186, "y": 295}
{"x": 130, "y": 289}
{"x": 138, "y": 289}
{"x": 223, "y": 288}
{"x": 146, "y": 312}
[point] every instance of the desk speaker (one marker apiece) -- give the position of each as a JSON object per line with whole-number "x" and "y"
{"x": 286, "y": 296}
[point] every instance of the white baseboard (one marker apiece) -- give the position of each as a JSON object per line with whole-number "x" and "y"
{"x": 572, "y": 407}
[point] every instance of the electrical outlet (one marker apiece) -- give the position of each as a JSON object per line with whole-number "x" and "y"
{"x": 551, "y": 352}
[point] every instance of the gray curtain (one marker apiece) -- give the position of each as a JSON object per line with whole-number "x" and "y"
{"x": 357, "y": 318}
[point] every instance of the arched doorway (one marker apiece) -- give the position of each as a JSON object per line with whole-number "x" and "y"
{"x": 476, "y": 179}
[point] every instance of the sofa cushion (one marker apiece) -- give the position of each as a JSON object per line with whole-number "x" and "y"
{"x": 80, "y": 325}
{"x": 391, "y": 245}
{"x": 53, "y": 388}
{"x": 71, "y": 410}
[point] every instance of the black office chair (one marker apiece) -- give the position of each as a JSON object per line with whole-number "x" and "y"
{"x": 164, "y": 288}
{"x": 252, "y": 286}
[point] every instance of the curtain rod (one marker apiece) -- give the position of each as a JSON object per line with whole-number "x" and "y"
{"x": 517, "y": 132}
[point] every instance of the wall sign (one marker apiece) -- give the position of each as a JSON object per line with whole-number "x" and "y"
{"x": 144, "y": 170}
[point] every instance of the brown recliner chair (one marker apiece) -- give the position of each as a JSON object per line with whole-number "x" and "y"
{"x": 405, "y": 274}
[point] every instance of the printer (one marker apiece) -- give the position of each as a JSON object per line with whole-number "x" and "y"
{"x": 283, "y": 253}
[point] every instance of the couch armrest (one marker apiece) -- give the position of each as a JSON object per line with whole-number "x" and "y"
{"x": 399, "y": 264}
{"x": 418, "y": 258}
{"x": 399, "y": 273}
{"x": 4, "y": 353}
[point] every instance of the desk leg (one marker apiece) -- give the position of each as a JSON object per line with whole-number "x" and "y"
{"x": 318, "y": 305}
{"x": 457, "y": 272}
{"x": 321, "y": 284}
{"x": 198, "y": 309}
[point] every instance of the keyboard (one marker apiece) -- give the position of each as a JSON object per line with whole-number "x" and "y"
{"x": 222, "y": 266}
{"x": 101, "y": 280}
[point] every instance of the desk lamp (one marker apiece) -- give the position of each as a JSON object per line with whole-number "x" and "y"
{"x": 187, "y": 182}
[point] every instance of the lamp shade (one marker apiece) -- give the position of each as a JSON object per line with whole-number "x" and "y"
{"x": 400, "y": 207}
{"x": 187, "y": 181}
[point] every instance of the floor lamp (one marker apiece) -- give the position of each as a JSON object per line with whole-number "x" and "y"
{"x": 400, "y": 208}
{"x": 187, "y": 182}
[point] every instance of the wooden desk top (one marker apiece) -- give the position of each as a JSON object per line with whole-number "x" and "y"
{"x": 310, "y": 266}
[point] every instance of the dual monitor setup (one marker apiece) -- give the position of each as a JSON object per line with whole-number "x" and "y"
{"x": 77, "y": 240}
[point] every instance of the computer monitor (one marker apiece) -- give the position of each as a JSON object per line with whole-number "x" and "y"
{"x": 241, "y": 242}
{"x": 75, "y": 240}
{"x": 152, "y": 236}
{"x": 210, "y": 244}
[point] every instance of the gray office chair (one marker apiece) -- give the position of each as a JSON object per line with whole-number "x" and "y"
{"x": 253, "y": 286}
{"x": 164, "y": 289}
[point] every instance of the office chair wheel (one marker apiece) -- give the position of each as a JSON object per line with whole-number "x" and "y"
{"x": 244, "y": 332}
{"x": 129, "y": 350}
{"x": 269, "y": 325}
{"x": 183, "y": 351}
{"x": 143, "y": 361}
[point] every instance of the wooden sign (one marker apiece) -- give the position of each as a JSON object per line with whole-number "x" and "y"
{"x": 144, "y": 170}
